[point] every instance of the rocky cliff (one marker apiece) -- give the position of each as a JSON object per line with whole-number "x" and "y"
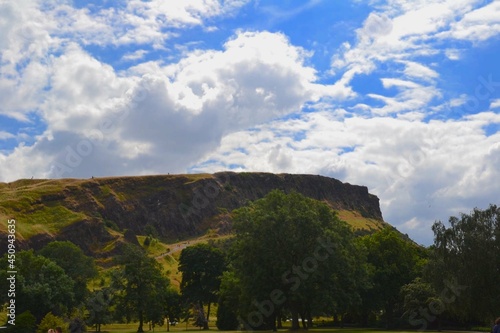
{"x": 95, "y": 213}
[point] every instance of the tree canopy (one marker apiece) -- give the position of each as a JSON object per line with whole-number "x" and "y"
{"x": 141, "y": 287}
{"x": 291, "y": 252}
{"x": 202, "y": 266}
{"x": 466, "y": 261}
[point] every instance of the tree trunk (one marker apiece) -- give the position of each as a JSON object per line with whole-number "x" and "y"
{"x": 303, "y": 318}
{"x": 309, "y": 320}
{"x": 141, "y": 319}
{"x": 208, "y": 313}
{"x": 202, "y": 314}
{"x": 279, "y": 318}
{"x": 388, "y": 316}
{"x": 295, "y": 320}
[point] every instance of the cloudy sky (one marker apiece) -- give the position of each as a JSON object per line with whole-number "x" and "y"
{"x": 402, "y": 96}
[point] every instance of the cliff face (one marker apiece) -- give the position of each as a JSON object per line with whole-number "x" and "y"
{"x": 94, "y": 213}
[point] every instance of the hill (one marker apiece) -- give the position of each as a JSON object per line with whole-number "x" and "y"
{"x": 101, "y": 214}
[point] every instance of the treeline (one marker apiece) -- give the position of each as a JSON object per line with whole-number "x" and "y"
{"x": 291, "y": 259}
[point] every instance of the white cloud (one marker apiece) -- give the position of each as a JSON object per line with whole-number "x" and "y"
{"x": 136, "y": 55}
{"x": 495, "y": 104}
{"x": 419, "y": 71}
{"x": 6, "y": 135}
{"x": 477, "y": 25}
{"x": 101, "y": 122}
{"x": 411, "y": 165}
{"x": 452, "y": 54}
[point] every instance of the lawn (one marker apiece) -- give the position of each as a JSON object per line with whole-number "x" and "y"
{"x": 132, "y": 328}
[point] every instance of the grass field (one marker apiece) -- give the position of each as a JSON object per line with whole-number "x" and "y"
{"x": 132, "y": 328}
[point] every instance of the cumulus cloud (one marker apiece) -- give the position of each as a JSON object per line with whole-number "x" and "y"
{"x": 420, "y": 171}
{"x": 167, "y": 119}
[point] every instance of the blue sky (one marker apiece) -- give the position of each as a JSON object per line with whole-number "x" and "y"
{"x": 400, "y": 96}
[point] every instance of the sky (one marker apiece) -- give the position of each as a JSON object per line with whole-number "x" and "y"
{"x": 401, "y": 96}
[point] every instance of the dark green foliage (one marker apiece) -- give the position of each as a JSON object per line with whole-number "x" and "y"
{"x": 393, "y": 263}
{"x": 25, "y": 323}
{"x": 141, "y": 288}
{"x": 292, "y": 253}
{"x": 77, "y": 325}
{"x": 75, "y": 263}
{"x": 227, "y": 317}
{"x": 202, "y": 266}
{"x": 227, "y": 311}
{"x": 466, "y": 262}
{"x": 150, "y": 230}
{"x": 99, "y": 305}
{"x": 41, "y": 285}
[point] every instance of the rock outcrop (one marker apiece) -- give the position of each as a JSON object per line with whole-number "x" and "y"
{"x": 96, "y": 211}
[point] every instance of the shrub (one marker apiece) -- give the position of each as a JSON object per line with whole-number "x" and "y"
{"x": 51, "y": 321}
{"x": 25, "y": 323}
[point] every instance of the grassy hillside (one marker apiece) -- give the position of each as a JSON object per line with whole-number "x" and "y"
{"x": 95, "y": 213}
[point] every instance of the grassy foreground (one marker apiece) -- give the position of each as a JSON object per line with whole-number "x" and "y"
{"x": 132, "y": 328}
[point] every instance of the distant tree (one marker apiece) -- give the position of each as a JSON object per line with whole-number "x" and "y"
{"x": 75, "y": 263}
{"x": 41, "y": 285}
{"x": 465, "y": 264}
{"x": 99, "y": 304}
{"x": 77, "y": 325}
{"x": 141, "y": 287}
{"x": 394, "y": 262}
{"x": 202, "y": 267}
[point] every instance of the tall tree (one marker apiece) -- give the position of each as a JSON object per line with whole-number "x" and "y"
{"x": 466, "y": 263}
{"x": 75, "y": 263}
{"x": 202, "y": 266}
{"x": 141, "y": 286}
{"x": 290, "y": 252}
{"x": 99, "y": 305}
{"x": 394, "y": 263}
{"x": 41, "y": 286}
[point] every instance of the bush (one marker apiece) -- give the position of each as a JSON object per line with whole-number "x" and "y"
{"x": 25, "y": 323}
{"x": 51, "y": 321}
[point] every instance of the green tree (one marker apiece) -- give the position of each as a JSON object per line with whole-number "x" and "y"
{"x": 394, "y": 262}
{"x": 290, "y": 253}
{"x": 175, "y": 307}
{"x": 140, "y": 287}
{"x": 99, "y": 304}
{"x": 227, "y": 310}
{"x": 51, "y": 321}
{"x": 41, "y": 285}
{"x": 25, "y": 323}
{"x": 202, "y": 266}
{"x": 421, "y": 304}
{"x": 75, "y": 263}
{"x": 466, "y": 262}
